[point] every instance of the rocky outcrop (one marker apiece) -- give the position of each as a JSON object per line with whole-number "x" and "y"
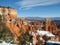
{"x": 9, "y": 15}
{"x": 15, "y": 24}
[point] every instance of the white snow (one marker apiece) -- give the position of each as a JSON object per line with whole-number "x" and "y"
{"x": 25, "y": 23}
{"x": 57, "y": 42}
{"x": 39, "y": 32}
{"x": 30, "y": 43}
{"x": 33, "y": 33}
{"x": 4, "y": 43}
{"x": 50, "y": 35}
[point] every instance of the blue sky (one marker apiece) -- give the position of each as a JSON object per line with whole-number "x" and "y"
{"x": 34, "y": 8}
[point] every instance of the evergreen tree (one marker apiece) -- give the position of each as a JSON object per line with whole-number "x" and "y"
{"x": 4, "y": 32}
{"x": 1, "y": 27}
{"x": 24, "y": 39}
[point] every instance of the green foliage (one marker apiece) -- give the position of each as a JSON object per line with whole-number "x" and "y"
{"x": 4, "y": 32}
{"x": 24, "y": 38}
{"x": 0, "y": 18}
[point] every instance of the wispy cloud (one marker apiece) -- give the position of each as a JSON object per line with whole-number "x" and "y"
{"x": 27, "y": 4}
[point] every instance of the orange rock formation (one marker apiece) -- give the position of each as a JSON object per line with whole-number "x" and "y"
{"x": 14, "y": 24}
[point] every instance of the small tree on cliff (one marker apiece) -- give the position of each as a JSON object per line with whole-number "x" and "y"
{"x": 1, "y": 27}
{"x": 4, "y": 31}
{"x": 21, "y": 37}
{"x": 24, "y": 38}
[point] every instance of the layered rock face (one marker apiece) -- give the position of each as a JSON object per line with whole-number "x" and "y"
{"x": 8, "y": 16}
{"x": 10, "y": 19}
{"x": 7, "y": 11}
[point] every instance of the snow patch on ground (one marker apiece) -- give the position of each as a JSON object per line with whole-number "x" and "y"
{"x": 41, "y": 32}
{"x": 4, "y": 43}
{"x": 53, "y": 42}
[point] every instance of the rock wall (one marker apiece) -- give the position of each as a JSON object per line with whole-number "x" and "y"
{"x": 9, "y": 15}
{"x": 14, "y": 23}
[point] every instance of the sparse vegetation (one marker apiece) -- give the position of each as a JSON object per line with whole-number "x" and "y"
{"x": 4, "y": 32}
{"x": 24, "y": 39}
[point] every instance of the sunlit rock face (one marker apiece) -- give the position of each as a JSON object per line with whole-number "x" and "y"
{"x": 15, "y": 24}
{"x": 12, "y": 13}
{"x": 7, "y": 11}
{"x": 9, "y": 15}
{"x": 12, "y": 22}
{"x": 1, "y": 11}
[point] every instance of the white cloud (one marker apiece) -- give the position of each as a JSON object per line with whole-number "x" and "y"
{"x": 32, "y": 3}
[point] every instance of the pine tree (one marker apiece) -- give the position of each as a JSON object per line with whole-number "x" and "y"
{"x": 24, "y": 39}
{"x": 4, "y": 31}
{"x": 1, "y": 27}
